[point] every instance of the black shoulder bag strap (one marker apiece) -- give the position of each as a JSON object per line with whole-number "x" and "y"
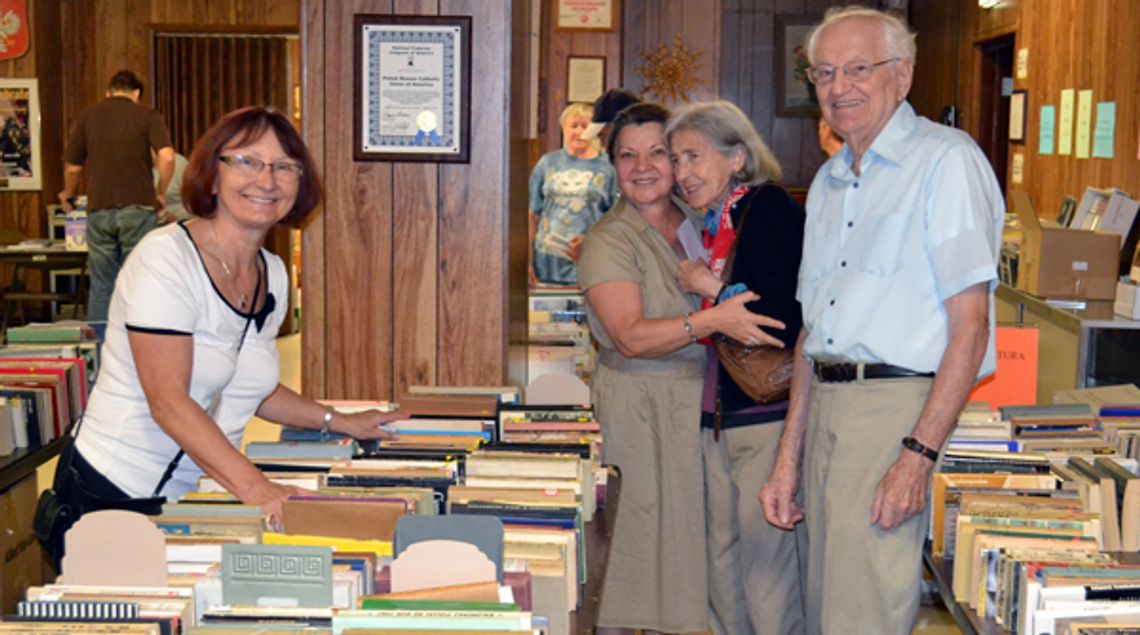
{"x": 726, "y": 278}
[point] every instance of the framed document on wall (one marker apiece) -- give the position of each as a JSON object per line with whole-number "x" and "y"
{"x": 412, "y": 83}
{"x": 585, "y": 15}
{"x": 1017, "y": 109}
{"x": 585, "y": 78}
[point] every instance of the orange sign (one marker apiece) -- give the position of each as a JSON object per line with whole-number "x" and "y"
{"x": 13, "y": 29}
{"x": 1015, "y": 382}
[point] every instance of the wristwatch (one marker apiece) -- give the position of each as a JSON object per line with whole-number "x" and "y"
{"x": 326, "y": 423}
{"x": 916, "y": 446}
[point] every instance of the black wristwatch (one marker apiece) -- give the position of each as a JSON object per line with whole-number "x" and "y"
{"x": 916, "y": 446}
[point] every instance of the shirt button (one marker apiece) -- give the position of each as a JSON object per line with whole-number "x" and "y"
{"x": 829, "y": 341}
{"x": 855, "y": 185}
{"x": 833, "y": 303}
{"x": 850, "y": 223}
{"x": 843, "y": 264}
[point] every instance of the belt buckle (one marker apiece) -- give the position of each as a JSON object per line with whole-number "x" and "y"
{"x": 837, "y": 372}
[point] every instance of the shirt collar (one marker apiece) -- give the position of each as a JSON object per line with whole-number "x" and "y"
{"x": 629, "y": 214}
{"x": 890, "y": 145}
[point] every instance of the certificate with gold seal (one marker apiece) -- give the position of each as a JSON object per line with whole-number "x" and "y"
{"x": 413, "y": 88}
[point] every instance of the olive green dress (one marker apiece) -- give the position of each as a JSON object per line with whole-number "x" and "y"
{"x": 649, "y": 410}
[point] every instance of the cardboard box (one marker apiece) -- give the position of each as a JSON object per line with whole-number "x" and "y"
{"x": 1127, "y": 301}
{"x": 1061, "y": 263}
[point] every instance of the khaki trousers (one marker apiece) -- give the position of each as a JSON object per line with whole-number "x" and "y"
{"x": 755, "y": 582}
{"x": 860, "y": 579}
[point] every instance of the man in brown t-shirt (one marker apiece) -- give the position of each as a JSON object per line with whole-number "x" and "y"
{"x": 112, "y": 142}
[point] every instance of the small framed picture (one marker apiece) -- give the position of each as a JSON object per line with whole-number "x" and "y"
{"x": 412, "y": 86}
{"x": 585, "y": 15}
{"x": 795, "y": 93}
{"x": 1018, "y": 101}
{"x": 585, "y": 78}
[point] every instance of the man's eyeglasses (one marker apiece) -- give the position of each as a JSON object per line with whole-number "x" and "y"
{"x": 853, "y": 71}
{"x": 249, "y": 166}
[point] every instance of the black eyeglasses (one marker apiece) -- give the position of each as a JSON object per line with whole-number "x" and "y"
{"x": 249, "y": 166}
{"x": 854, "y": 71}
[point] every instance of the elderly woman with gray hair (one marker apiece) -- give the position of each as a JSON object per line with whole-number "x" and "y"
{"x": 725, "y": 171}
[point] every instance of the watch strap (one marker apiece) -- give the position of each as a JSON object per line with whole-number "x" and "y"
{"x": 918, "y": 447}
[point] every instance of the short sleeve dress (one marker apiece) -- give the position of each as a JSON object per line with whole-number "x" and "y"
{"x": 649, "y": 410}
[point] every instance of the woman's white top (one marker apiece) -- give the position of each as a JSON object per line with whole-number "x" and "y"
{"x": 163, "y": 288}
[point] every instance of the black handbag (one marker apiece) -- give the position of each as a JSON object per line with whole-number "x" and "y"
{"x": 60, "y": 506}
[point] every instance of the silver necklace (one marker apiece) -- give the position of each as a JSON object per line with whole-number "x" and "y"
{"x": 243, "y": 298}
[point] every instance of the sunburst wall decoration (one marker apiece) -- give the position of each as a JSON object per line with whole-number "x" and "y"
{"x": 670, "y": 72}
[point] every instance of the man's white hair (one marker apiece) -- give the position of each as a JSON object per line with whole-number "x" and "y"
{"x": 897, "y": 36}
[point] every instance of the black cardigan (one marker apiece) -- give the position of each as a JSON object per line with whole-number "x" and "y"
{"x": 768, "y": 252}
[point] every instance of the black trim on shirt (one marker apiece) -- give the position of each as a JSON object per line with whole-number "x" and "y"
{"x": 264, "y": 267}
{"x": 153, "y": 331}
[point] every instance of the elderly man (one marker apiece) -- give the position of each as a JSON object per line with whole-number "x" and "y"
{"x": 900, "y": 262}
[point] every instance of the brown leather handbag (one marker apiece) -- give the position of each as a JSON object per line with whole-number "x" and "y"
{"x": 763, "y": 372}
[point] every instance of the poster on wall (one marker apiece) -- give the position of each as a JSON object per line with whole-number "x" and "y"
{"x": 19, "y": 135}
{"x": 413, "y": 88}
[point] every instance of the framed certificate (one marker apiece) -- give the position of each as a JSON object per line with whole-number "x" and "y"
{"x": 585, "y": 78}
{"x": 585, "y": 15}
{"x": 413, "y": 88}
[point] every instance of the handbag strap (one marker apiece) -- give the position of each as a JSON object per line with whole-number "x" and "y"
{"x": 726, "y": 276}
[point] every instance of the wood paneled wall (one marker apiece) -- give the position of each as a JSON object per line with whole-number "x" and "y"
{"x": 747, "y": 78}
{"x": 641, "y": 26}
{"x": 23, "y": 210}
{"x": 937, "y": 24}
{"x": 104, "y": 36}
{"x": 558, "y": 47}
{"x": 1081, "y": 44}
{"x": 651, "y": 23}
{"x": 408, "y": 275}
{"x": 75, "y": 47}
{"x": 1072, "y": 44}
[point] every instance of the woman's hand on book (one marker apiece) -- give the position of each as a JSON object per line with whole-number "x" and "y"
{"x": 369, "y": 424}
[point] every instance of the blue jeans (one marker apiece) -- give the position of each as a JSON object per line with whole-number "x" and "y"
{"x": 112, "y": 233}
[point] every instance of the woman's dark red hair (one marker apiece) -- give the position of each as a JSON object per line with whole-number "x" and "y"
{"x": 239, "y": 128}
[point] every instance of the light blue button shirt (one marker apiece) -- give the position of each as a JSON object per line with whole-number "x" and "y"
{"x": 885, "y": 249}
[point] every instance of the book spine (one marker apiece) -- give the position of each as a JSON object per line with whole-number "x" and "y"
{"x": 68, "y": 610}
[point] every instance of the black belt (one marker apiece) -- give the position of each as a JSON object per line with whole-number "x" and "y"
{"x": 829, "y": 372}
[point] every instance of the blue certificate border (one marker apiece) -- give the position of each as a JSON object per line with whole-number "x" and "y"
{"x": 451, "y": 142}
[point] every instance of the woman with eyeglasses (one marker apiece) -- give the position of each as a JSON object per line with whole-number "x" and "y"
{"x": 190, "y": 354}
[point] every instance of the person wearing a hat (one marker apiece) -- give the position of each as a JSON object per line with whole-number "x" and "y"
{"x": 569, "y": 191}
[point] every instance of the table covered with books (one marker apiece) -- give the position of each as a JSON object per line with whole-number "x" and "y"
{"x": 1041, "y": 535}
{"x": 484, "y": 515}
